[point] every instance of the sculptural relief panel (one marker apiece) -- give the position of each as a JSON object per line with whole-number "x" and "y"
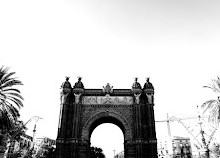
{"x": 118, "y": 100}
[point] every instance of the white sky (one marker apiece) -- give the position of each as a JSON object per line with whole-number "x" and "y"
{"x": 174, "y": 42}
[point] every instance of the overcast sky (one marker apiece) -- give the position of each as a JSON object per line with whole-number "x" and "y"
{"x": 174, "y": 42}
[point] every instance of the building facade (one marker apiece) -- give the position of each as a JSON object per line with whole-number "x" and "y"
{"x": 21, "y": 146}
{"x": 175, "y": 147}
{"x": 41, "y": 145}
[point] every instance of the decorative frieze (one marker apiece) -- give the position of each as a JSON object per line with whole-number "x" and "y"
{"x": 107, "y": 99}
{"x": 109, "y": 106}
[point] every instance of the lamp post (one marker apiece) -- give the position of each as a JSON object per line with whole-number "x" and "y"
{"x": 33, "y": 138}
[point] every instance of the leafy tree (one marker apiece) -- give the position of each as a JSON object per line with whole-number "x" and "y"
{"x": 10, "y": 103}
{"x": 10, "y": 100}
{"x": 29, "y": 154}
{"x": 18, "y": 129}
{"x": 213, "y": 105}
{"x": 50, "y": 153}
{"x": 96, "y": 152}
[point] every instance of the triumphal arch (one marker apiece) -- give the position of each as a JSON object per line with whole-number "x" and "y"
{"x": 82, "y": 110}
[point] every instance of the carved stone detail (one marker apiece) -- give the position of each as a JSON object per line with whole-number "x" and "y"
{"x": 107, "y": 100}
{"x": 108, "y": 89}
{"x": 150, "y": 97}
{"x": 65, "y": 90}
{"x": 63, "y": 97}
{"x": 77, "y": 97}
{"x": 137, "y": 98}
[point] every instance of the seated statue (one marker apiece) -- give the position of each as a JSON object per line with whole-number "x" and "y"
{"x": 79, "y": 84}
{"x": 65, "y": 90}
{"x": 66, "y": 84}
{"x": 136, "y": 84}
{"x": 149, "y": 91}
{"x": 148, "y": 84}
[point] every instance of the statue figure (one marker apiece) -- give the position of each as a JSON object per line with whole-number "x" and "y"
{"x": 149, "y": 90}
{"x": 148, "y": 84}
{"x": 136, "y": 84}
{"x": 137, "y": 98}
{"x": 77, "y": 96}
{"x": 79, "y": 84}
{"x": 66, "y": 84}
{"x": 108, "y": 88}
{"x": 65, "y": 90}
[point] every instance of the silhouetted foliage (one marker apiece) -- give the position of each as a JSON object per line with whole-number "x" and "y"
{"x": 29, "y": 154}
{"x": 10, "y": 100}
{"x": 50, "y": 153}
{"x": 46, "y": 152}
{"x": 213, "y": 105}
{"x": 96, "y": 152}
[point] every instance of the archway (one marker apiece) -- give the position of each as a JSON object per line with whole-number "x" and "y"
{"x": 109, "y": 137}
{"x": 82, "y": 110}
{"x": 106, "y": 117}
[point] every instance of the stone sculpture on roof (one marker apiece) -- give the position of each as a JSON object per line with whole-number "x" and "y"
{"x": 65, "y": 90}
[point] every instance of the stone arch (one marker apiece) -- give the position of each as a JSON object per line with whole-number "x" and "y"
{"x": 106, "y": 117}
{"x": 133, "y": 115}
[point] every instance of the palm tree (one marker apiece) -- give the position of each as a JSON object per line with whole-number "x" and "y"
{"x": 10, "y": 100}
{"x": 213, "y": 105}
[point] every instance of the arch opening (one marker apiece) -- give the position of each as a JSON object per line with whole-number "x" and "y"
{"x": 102, "y": 120}
{"x": 109, "y": 137}
{"x": 106, "y": 117}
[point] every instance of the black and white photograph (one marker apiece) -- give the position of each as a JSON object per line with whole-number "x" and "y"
{"x": 109, "y": 78}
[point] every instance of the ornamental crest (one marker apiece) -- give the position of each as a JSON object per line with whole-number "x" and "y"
{"x": 108, "y": 89}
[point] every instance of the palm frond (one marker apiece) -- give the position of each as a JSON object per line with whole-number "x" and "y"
{"x": 2, "y": 96}
{"x": 14, "y": 95}
{"x": 215, "y": 85}
{"x": 10, "y": 99}
{"x": 208, "y": 105}
{"x": 15, "y": 101}
{"x": 3, "y": 71}
{"x": 11, "y": 90}
{"x": 214, "y": 115}
{"x": 7, "y": 76}
{"x": 213, "y": 105}
{"x": 10, "y": 83}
